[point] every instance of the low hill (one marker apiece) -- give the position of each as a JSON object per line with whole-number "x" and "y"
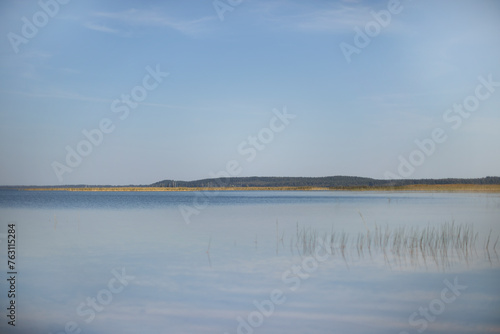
{"x": 328, "y": 181}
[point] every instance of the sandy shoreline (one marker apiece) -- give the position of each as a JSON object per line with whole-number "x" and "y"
{"x": 487, "y": 188}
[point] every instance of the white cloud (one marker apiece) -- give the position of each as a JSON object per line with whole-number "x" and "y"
{"x": 100, "y": 27}
{"x": 153, "y": 18}
{"x": 333, "y": 18}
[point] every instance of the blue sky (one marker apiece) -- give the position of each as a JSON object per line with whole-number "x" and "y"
{"x": 225, "y": 77}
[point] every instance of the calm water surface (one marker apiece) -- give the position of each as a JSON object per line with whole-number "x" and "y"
{"x": 249, "y": 262}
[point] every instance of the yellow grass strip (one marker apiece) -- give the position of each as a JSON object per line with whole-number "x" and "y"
{"x": 483, "y": 188}
{"x": 175, "y": 188}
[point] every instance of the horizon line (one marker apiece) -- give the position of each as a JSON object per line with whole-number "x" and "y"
{"x": 246, "y": 177}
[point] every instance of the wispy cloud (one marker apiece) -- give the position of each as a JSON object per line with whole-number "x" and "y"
{"x": 332, "y": 18}
{"x": 322, "y": 17}
{"x": 100, "y": 27}
{"x": 152, "y": 18}
{"x": 56, "y": 94}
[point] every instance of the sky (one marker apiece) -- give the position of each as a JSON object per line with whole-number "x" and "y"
{"x": 134, "y": 92}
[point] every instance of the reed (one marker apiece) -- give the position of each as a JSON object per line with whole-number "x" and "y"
{"x": 400, "y": 245}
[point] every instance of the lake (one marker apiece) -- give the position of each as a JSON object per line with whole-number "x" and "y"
{"x": 251, "y": 262}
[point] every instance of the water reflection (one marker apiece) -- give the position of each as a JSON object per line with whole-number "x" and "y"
{"x": 342, "y": 264}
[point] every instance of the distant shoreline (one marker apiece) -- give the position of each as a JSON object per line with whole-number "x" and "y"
{"x": 465, "y": 188}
